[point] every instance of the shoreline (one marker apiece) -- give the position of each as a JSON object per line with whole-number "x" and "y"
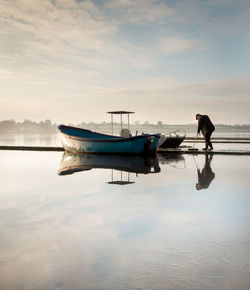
{"x": 161, "y": 150}
{"x": 31, "y": 148}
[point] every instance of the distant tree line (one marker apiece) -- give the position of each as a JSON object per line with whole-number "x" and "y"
{"x": 46, "y": 126}
{"x": 27, "y": 126}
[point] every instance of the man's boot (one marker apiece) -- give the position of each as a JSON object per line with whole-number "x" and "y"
{"x": 206, "y": 148}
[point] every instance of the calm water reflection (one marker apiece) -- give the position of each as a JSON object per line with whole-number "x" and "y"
{"x": 80, "y": 162}
{"x": 76, "y": 231}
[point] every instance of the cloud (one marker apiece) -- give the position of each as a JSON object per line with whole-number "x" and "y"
{"x": 102, "y": 55}
{"x": 140, "y": 11}
{"x": 152, "y": 99}
{"x": 216, "y": 19}
{"x": 177, "y": 45}
{"x": 44, "y": 21}
{"x": 67, "y": 37}
{"x": 48, "y": 29}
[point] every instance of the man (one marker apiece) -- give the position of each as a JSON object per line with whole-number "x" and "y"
{"x": 206, "y": 127}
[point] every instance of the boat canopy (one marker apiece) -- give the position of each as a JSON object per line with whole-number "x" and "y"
{"x": 119, "y": 113}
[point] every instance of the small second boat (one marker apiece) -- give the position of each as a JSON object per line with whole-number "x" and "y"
{"x": 169, "y": 141}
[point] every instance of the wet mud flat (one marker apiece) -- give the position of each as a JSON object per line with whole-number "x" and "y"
{"x": 31, "y": 148}
{"x": 200, "y": 151}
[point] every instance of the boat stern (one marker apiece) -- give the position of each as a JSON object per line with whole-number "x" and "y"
{"x": 151, "y": 144}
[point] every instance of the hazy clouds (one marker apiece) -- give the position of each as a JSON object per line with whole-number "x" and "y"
{"x": 73, "y": 60}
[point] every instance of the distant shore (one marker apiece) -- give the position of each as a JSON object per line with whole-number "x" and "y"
{"x": 47, "y": 127}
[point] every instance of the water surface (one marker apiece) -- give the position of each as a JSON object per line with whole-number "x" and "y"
{"x": 78, "y": 231}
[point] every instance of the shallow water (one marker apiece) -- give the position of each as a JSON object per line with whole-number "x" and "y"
{"x": 62, "y": 229}
{"x": 29, "y": 139}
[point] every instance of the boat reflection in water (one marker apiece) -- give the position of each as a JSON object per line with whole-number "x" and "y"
{"x": 173, "y": 160}
{"x": 72, "y": 163}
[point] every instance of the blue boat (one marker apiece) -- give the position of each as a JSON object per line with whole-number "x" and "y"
{"x": 78, "y": 140}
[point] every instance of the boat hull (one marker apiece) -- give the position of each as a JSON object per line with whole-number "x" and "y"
{"x": 77, "y": 140}
{"x": 172, "y": 142}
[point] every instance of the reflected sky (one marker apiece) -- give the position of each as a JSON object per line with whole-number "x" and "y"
{"x": 79, "y": 232}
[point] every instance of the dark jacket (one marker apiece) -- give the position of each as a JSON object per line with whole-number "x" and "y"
{"x": 205, "y": 125}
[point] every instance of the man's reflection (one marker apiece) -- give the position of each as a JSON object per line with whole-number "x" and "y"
{"x": 206, "y": 175}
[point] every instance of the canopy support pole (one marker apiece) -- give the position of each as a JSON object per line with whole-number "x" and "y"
{"x": 112, "y": 123}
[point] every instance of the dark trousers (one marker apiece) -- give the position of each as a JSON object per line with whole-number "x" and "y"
{"x": 207, "y": 138}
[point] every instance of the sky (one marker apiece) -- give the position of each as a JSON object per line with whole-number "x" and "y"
{"x": 71, "y": 61}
